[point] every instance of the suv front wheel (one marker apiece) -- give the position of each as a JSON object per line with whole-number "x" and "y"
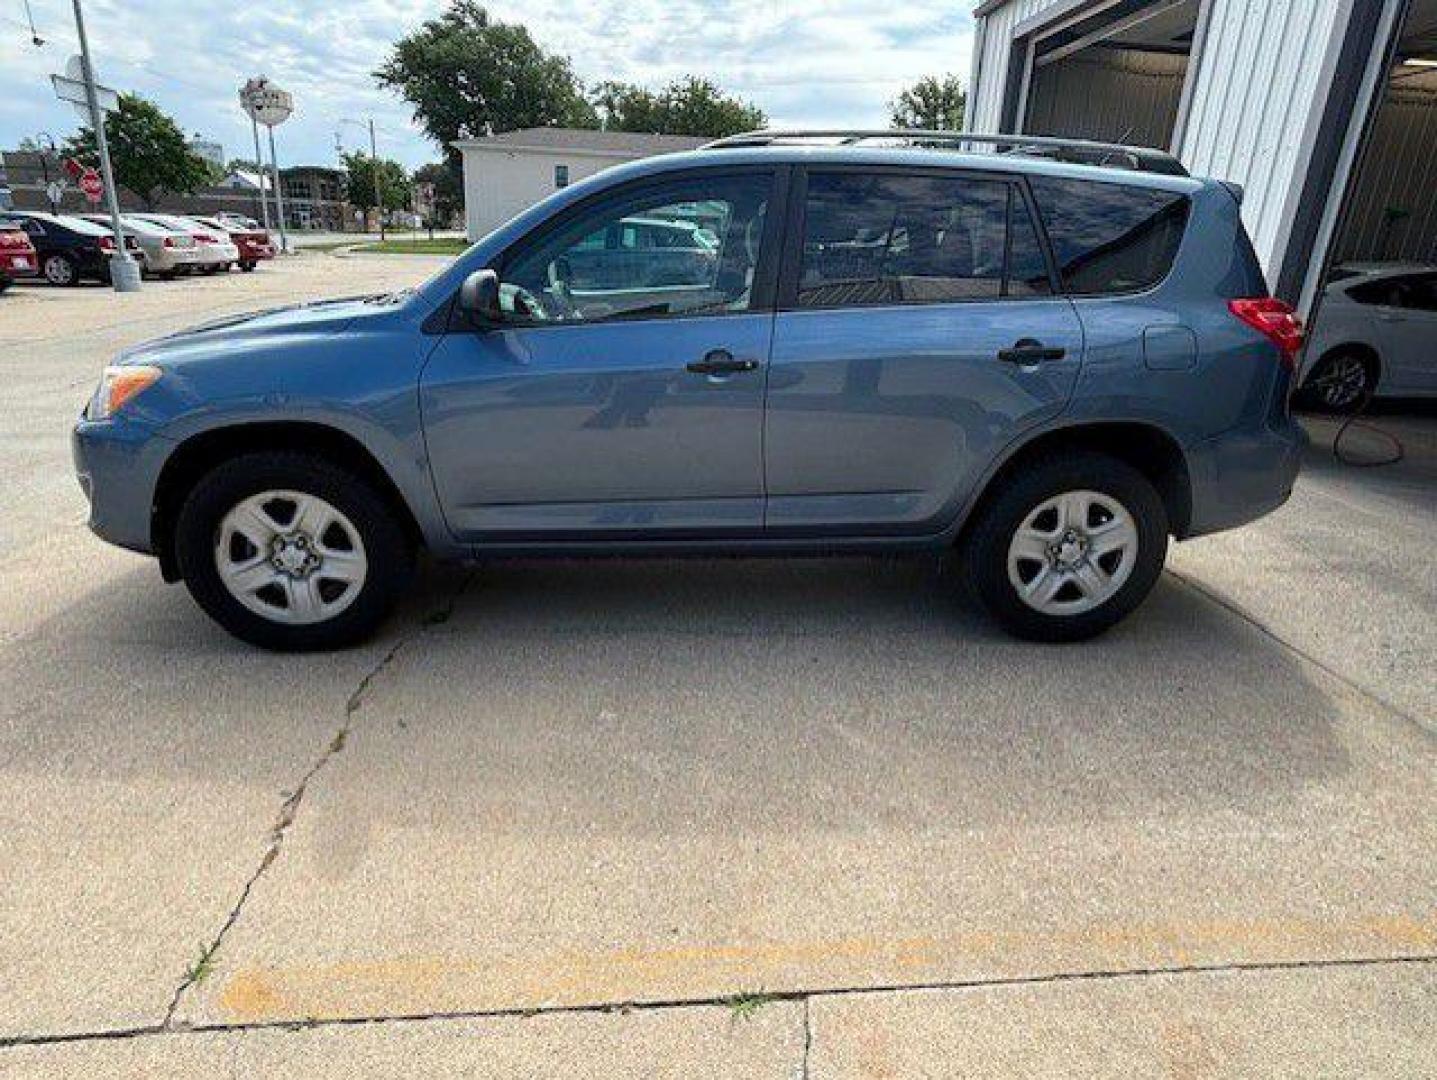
{"x": 1068, "y": 547}
{"x": 289, "y": 551}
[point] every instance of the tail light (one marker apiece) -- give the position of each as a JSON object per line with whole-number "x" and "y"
{"x": 1275, "y": 320}
{"x": 107, "y": 244}
{"x": 168, "y": 241}
{"x": 205, "y": 238}
{"x": 12, "y": 238}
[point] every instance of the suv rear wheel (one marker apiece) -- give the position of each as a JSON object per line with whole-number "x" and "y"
{"x": 288, "y": 551}
{"x": 1068, "y": 547}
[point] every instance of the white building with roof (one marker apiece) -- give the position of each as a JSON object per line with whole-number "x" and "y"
{"x": 507, "y": 173}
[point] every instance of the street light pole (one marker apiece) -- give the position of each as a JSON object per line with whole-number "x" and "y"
{"x": 124, "y": 271}
{"x": 378, "y": 183}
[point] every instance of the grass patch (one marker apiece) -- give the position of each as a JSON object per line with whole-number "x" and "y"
{"x": 744, "y": 1004}
{"x": 437, "y": 246}
{"x": 203, "y": 966}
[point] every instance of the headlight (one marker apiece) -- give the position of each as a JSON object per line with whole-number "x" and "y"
{"x": 119, "y": 384}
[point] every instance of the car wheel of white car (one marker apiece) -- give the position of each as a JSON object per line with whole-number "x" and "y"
{"x": 1340, "y": 381}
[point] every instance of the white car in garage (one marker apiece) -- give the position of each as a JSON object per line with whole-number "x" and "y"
{"x": 1375, "y": 335}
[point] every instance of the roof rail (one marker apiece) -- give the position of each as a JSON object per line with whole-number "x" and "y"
{"x": 1078, "y": 151}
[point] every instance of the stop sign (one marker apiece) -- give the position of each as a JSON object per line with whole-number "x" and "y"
{"x": 91, "y": 185}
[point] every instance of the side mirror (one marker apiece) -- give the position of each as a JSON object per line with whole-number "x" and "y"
{"x": 479, "y": 296}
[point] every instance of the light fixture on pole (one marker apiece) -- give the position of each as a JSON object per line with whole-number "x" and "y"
{"x": 374, "y": 165}
{"x": 78, "y": 86}
{"x": 265, "y": 103}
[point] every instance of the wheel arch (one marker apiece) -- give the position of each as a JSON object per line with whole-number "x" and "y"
{"x": 1150, "y": 449}
{"x": 202, "y": 451}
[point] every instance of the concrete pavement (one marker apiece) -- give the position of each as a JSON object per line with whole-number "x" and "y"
{"x": 635, "y": 789}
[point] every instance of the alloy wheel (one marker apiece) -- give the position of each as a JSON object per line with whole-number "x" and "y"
{"x": 1342, "y": 382}
{"x": 59, "y": 270}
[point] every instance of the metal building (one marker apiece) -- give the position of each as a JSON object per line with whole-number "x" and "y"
{"x": 1323, "y": 110}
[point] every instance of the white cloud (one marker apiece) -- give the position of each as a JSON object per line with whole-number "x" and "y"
{"x": 831, "y": 62}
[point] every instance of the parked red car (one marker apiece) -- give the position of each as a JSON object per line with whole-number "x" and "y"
{"x": 18, "y": 258}
{"x": 254, "y": 243}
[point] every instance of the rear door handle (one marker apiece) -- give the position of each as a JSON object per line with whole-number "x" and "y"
{"x": 721, "y": 362}
{"x": 1030, "y": 351}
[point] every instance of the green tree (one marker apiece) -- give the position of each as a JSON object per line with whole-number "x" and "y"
{"x": 448, "y": 189}
{"x": 393, "y": 180}
{"x": 688, "y": 106}
{"x": 466, "y": 73}
{"x": 147, "y": 151}
{"x": 932, "y": 104}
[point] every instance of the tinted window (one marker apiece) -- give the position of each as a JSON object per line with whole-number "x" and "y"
{"x": 686, "y": 248}
{"x": 1417, "y": 292}
{"x": 884, "y": 238}
{"x": 1110, "y": 238}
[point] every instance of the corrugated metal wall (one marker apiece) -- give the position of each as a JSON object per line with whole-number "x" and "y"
{"x": 1258, "y": 87}
{"x": 1114, "y": 95}
{"x": 1394, "y": 210}
{"x": 991, "y": 48}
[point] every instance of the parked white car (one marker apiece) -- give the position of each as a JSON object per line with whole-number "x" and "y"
{"x": 1375, "y": 335}
{"x": 167, "y": 252}
{"x": 215, "y": 250}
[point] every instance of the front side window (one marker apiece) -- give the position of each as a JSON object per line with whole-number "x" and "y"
{"x": 683, "y": 248}
{"x": 1110, "y": 238}
{"x": 888, "y": 238}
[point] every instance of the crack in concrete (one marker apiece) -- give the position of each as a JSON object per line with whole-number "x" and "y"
{"x": 1272, "y": 635}
{"x": 289, "y": 809}
{"x": 724, "y": 1002}
{"x": 807, "y": 1037}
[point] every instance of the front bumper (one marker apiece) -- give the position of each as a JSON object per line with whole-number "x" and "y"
{"x": 118, "y": 463}
{"x": 1241, "y": 475}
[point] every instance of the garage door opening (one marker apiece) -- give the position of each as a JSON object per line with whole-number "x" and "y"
{"x": 1115, "y": 76}
{"x": 1374, "y": 331}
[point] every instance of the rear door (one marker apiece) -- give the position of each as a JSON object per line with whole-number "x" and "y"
{"x": 919, "y": 332}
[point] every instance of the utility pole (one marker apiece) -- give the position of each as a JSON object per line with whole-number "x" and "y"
{"x": 378, "y": 183}
{"x": 124, "y": 271}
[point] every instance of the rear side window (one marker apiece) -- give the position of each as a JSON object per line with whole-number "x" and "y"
{"x": 1415, "y": 291}
{"x": 1110, "y": 238}
{"x": 889, "y": 238}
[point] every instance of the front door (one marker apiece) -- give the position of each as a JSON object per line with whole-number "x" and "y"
{"x": 918, "y": 333}
{"x": 621, "y": 395}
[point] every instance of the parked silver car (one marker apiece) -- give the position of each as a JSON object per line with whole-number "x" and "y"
{"x": 167, "y": 253}
{"x": 214, "y": 251}
{"x": 1375, "y": 336}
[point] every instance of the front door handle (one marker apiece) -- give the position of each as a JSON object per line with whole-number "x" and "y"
{"x": 1030, "y": 351}
{"x": 721, "y": 362}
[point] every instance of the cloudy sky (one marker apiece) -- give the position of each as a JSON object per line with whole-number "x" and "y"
{"x": 802, "y": 61}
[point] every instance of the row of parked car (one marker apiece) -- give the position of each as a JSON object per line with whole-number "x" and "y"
{"x": 65, "y": 249}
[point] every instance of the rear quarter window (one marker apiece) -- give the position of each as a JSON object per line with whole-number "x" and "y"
{"x": 1110, "y": 238}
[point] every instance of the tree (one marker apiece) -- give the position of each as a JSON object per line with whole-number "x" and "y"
{"x": 393, "y": 179}
{"x": 147, "y": 151}
{"x": 448, "y": 189}
{"x": 466, "y": 73}
{"x": 931, "y": 104}
{"x": 688, "y": 106}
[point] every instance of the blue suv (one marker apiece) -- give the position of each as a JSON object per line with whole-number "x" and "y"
{"x": 1048, "y": 359}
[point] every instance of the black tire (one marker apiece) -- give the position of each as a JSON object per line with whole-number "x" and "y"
{"x": 388, "y": 552}
{"x": 986, "y": 545}
{"x": 60, "y": 269}
{"x": 1339, "y": 382}
{"x": 246, "y": 266}
{"x": 5, "y": 283}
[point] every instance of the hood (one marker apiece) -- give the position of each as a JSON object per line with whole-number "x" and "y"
{"x": 320, "y": 318}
